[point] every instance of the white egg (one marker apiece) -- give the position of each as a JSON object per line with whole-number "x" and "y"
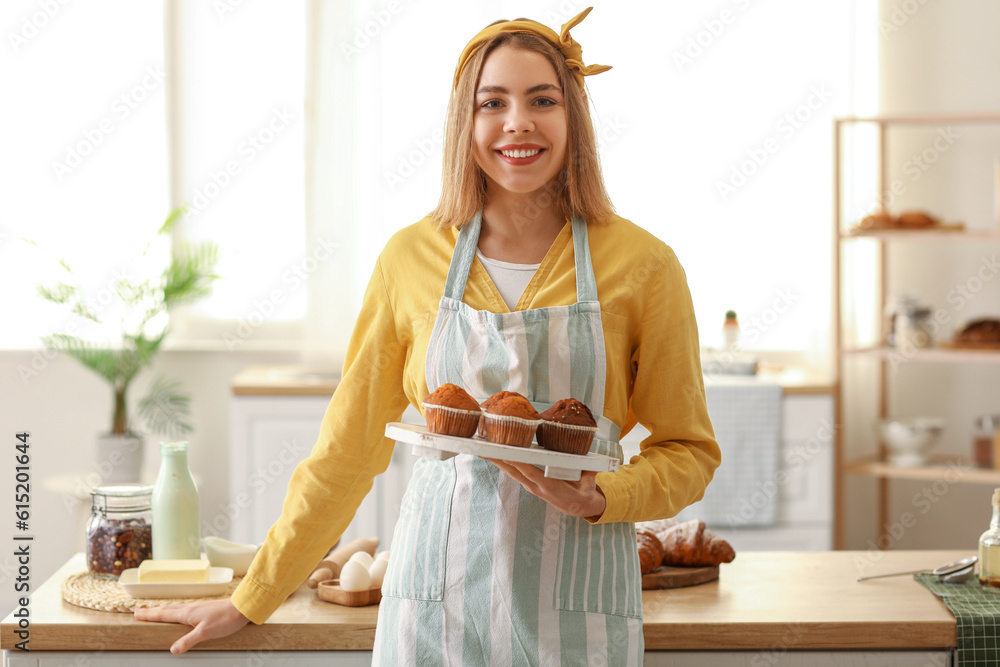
{"x": 377, "y": 571}
{"x": 354, "y": 577}
{"x": 382, "y": 555}
{"x": 362, "y": 557}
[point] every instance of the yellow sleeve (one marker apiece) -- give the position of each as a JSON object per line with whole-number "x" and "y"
{"x": 327, "y": 488}
{"x": 677, "y": 461}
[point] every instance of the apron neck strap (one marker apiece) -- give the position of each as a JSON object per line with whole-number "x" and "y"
{"x": 586, "y": 284}
{"x": 461, "y": 259}
{"x": 465, "y": 252}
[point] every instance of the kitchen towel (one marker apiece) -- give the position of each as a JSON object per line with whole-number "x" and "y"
{"x": 977, "y": 615}
{"x": 746, "y": 415}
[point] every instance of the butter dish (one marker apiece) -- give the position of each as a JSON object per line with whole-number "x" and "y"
{"x": 218, "y": 580}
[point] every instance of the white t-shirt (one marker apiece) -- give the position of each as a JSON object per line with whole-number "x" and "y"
{"x": 510, "y": 279}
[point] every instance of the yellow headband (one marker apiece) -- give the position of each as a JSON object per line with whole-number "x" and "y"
{"x": 571, "y": 51}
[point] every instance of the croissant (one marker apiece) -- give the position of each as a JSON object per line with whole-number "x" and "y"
{"x": 650, "y": 551}
{"x": 691, "y": 544}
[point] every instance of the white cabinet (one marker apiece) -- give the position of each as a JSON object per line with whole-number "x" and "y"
{"x": 269, "y": 436}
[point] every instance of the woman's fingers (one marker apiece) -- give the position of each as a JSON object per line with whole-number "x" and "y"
{"x": 191, "y": 639}
{"x": 171, "y": 613}
{"x": 582, "y": 498}
{"x": 210, "y": 619}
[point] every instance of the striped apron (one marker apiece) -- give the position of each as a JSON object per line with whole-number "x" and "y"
{"x": 483, "y": 572}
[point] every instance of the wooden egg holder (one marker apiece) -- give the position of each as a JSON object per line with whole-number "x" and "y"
{"x": 329, "y": 590}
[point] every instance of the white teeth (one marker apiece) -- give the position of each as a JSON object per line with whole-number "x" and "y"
{"x": 522, "y": 152}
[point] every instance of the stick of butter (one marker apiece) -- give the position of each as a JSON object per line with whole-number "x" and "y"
{"x": 188, "y": 571}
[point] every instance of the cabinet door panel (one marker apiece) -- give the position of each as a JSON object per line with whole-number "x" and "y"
{"x": 269, "y": 436}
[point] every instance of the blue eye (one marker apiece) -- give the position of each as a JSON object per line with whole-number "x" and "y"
{"x": 490, "y": 104}
{"x": 545, "y": 101}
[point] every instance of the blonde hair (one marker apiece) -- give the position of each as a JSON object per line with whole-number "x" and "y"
{"x": 580, "y": 189}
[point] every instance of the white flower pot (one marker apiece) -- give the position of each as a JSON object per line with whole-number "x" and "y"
{"x": 118, "y": 459}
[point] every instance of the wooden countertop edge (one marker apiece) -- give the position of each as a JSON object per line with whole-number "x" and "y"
{"x": 160, "y": 636}
{"x": 327, "y": 390}
{"x": 360, "y": 637}
{"x": 298, "y": 380}
{"x": 289, "y": 390}
{"x": 802, "y": 636}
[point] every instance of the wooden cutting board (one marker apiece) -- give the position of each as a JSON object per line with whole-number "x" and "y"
{"x": 668, "y": 576}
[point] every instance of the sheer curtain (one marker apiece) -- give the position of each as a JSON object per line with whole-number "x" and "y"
{"x": 237, "y": 127}
{"x": 715, "y": 126}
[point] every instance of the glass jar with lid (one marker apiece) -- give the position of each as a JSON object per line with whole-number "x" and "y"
{"x": 120, "y": 532}
{"x": 914, "y": 328}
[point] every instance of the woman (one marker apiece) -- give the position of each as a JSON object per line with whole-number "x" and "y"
{"x": 521, "y": 279}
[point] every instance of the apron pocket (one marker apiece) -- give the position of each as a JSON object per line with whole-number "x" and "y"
{"x": 598, "y": 568}
{"x": 420, "y": 540}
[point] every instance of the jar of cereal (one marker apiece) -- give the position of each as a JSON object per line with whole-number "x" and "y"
{"x": 120, "y": 532}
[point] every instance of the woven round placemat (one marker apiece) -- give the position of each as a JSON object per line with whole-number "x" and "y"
{"x": 86, "y": 590}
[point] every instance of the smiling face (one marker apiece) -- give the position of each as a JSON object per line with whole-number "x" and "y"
{"x": 519, "y": 129}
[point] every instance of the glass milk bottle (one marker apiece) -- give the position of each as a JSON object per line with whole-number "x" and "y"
{"x": 989, "y": 548}
{"x": 176, "y": 515}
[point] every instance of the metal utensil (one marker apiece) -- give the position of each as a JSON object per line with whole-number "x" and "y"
{"x": 959, "y": 577}
{"x": 953, "y": 567}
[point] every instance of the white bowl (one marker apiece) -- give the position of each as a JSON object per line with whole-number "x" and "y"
{"x": 909, "y": 438}
{"x": 223, "y": 553}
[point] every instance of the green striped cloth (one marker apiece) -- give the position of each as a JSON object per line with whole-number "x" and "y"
{"x": 977, "y": 614}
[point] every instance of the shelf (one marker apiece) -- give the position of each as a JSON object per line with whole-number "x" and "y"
{"x": 924, "y": 234}
{"x": 921, "y": 120}
{"x": 929, "y": 354}
{"x": 943, "y": 468}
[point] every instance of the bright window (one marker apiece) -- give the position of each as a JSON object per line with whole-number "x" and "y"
{"x": 124, "y": 108}
{"x": 240, "y": 147}
{"x": 85, "y": 155}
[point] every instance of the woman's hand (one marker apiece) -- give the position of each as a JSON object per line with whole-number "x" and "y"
{"x": 582, "y": 498}
{"x": 210, "y": 619}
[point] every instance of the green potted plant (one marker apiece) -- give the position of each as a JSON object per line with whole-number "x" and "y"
{"x": 142, "y": 307}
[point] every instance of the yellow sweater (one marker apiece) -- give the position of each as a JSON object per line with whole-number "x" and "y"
{"x": 653, "y": 377}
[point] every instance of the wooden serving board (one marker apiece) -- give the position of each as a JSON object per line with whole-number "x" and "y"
{"x": 668, "y": 576}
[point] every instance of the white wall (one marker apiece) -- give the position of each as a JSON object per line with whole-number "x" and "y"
{"x": 939, "y": 57}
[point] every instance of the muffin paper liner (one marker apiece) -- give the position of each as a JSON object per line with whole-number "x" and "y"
{"x": 567, "y": 438}
{"x": 506, "y": 430}
{"x": 445, "y": 420}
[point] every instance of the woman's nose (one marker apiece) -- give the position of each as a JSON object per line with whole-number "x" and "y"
{"x": 518, "y": 119}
